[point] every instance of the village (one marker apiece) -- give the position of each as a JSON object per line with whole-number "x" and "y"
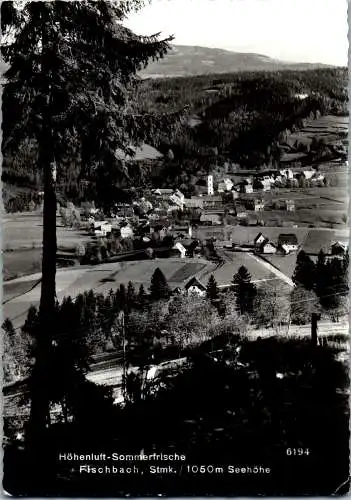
{"x": 229, "y": 211}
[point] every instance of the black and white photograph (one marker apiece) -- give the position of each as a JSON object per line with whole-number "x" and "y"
{"x": 175, "y": 248}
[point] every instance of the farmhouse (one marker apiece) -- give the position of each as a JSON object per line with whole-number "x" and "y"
{"x": 246, "y": 188}
{"x": 127, "y": 231}
{"x": 225, "y": 185}
{"x": 288, "y": 242}
{"x": 260, "y": 240}
{"x": 102, "y": 228}
{"x": 289, "y": 205}
{"x": 195, "y": 287}
{"x": 254, "y": 204}
{"x": 268, "y": 248}
{"x": 308, "y": 173}
{"x": 177, "y": 197}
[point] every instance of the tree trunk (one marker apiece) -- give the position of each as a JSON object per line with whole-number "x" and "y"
{"x": 40, "y": 380}
{"x": 40, "y": 415}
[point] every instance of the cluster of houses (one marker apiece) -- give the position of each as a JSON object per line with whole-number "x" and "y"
{"x": 286, "y": 244}
{"x": 211, "y": 201}
{"x": 264, "y": 182}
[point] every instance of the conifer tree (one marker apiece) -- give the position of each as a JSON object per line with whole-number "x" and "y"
{"x": 244, "y": 290}
{"x": 122, "y": 297}
{"x": 131, "y": 296}
{"x": 141, "y": 296}
{"x": 305, "y": 271}
{"x": 71, "y": 65}
{"x": 212, "y": 291}
{"x": 159, "y": 288}
{"x": 320, "y": 272}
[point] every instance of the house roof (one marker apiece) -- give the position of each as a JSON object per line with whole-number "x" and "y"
{"x": 163, "y": 191}
{"x": 195, "y": 282}
{"x": 290, "y": 239}
{"x": 212, "y": 198}
{"x": 258, "y": 237}
{"x": 179, "y": 246}
{"x": 266, "y": 242}
{"x": 210, "y": 217}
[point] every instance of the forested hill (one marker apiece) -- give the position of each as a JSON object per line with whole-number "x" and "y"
{"x": 184, "y": 60}
{"x": 248, "y": 118}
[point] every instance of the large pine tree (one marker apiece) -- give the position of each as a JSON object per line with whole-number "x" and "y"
{"x": 305, "y": 271}
{"x": 159, "y": 288}
{"x": 71, "y": 67}
{"x": 244, "y": 290}
{"x": 212, "y": 291}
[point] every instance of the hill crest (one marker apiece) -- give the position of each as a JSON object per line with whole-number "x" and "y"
{"x": 188, "y": 60}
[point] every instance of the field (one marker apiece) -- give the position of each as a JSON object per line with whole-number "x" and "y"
{"x": 26, "y": 231}
{"x": 224, "y": 274}
{"x": 328, "y": 127}
{"x": 21, "y": 262}
{"x": 105, "y": 277}
{"x": 322, "y": 239}
{"x": 22, "y": 243}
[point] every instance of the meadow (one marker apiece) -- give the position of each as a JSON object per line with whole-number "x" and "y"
{"x": 328, "y": 127}
{"x": 22, "y": 243}
{"x": 25, "y": 230}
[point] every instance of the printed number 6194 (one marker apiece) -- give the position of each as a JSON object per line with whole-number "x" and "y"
{"x": 297, "y": 452}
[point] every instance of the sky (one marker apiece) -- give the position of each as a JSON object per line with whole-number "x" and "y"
{"x": 289, "y": 30}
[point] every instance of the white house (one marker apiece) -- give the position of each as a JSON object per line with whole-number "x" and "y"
{"x": 318, "y": 178}
{"x": 301, "y": 96}
{"x": 102, "y": 228}
{"x": 308, "y": 174}
{"x": 260, "y": 239}
{"x": 173, "y": 208}
{"x": 177, "y": 197}
{"x": 246, "y": 188}
{"x": 288, "y": 242}
{"x": 195, "y": 287}
{"x": 268, "y": 248}
{"x": 182, "y": 250}
{"x": 127, "y": 231}
{"x": 225, "y": 185}
{"x": 266, "y": 183}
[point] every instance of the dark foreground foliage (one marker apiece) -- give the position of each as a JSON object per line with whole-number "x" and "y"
{"x": 245, "y": 406}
